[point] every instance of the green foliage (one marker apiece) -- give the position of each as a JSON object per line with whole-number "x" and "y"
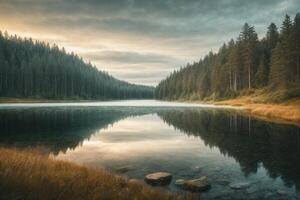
{"x": 241, "y": 66}
{"x": 35, "y": 69}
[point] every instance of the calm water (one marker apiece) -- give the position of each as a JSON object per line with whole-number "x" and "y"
{"x": 186, "y": 140}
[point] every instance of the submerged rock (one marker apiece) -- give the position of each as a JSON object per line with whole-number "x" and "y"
{"x": 194, "y": 185}
{"x": 251, "y": 190}
{"x": 222, "y": 181}
{"x": 238, "y": 186}
{"x": 179, "y": 182}
{"x": 123, "y": 169}
{"x": 158, "y": 178}
{"x": 281, "y": 192}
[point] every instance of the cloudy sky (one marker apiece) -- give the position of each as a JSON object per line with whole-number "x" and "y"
{"x": 140, "y": 41}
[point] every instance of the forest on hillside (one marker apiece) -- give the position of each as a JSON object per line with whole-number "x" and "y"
{"x": 34, "y": 69}
{"x": 242, "y": 66}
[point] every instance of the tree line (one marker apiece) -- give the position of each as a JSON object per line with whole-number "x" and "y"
{"x": 244, "y": 64}
{"x": 34, "y": 69}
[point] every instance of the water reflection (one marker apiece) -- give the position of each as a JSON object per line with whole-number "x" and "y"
{"x": 58, "y": 128}
{"x": 250, "y": 142}
{"x": 188, "y": 142}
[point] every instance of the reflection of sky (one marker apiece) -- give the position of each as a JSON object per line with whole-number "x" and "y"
{"x": 146, "y": 144}
{"x": 140, "y": 41}
{"x": 137, "y": 137}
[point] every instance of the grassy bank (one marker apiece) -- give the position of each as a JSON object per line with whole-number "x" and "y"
{"x": 30, "y": 175}
{"x": 280, "y": 106}
{"x": 287, "y": 112}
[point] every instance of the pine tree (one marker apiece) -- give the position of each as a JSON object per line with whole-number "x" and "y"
{"x": 249, "y": 43}
{"x": 281, "y": 58}
{"x": 261, "y": 76}
{"x": 243, "y": 64}
{"x": 272, "y": 36}
{"x": 37, "y": 70}
{"x": 296, "y": 48}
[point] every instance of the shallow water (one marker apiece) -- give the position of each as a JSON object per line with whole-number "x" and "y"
{"x": 186, "y": 140}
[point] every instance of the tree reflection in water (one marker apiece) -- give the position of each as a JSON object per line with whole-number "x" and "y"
{"x": 56, "y": 129}
{"x": 250, "y": 141}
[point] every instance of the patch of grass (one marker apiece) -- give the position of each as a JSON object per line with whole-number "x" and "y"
{"x": 280, "y": 106}
{"x": 30, "y": 175}
{"x": 261, "y": 106}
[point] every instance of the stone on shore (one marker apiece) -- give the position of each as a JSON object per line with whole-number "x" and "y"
{"x": 158, "y": 178}
{"x": 194, "y": 185}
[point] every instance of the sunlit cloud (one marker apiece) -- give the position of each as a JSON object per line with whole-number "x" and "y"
{"x": 123, "y": 36}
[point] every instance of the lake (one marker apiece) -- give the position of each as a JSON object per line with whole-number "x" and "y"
{"x": 146, "y": 136}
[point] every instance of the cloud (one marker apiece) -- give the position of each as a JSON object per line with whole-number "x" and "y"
{"x": 122, "y": 34}
{"x": 124, "y": 57}
{"x": 141, "y": 68}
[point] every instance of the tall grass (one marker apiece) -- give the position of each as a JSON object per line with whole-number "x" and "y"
{"x": 29, "y": 175}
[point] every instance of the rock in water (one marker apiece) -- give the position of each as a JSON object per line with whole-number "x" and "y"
{"x": 158, "y": 178}
{"x": 122, "y": 170}
{"x": 222, "y": 182}
{"x": 195, "y": 185}
{"x": 180, "y": 182}
{"x": 238, "y": 186}
{"x": 281, "y": 192}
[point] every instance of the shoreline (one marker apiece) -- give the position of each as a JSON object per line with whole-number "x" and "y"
{"x": 288, "y": 113}
{"x": 31, "y": 174}
{"x": 10, "y": 100}
{"x": 4, "y": 100}
{"x": 283, "y": 113}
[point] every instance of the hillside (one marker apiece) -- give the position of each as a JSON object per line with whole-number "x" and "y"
{"x": 36, "y": 70}
{"x": 242, "y": 67}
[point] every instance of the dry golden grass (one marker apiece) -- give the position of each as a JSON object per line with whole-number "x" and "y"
{"x": 287, "y": 112}
{"x": 281, "y": 106}
{"x": 29, "y": 175}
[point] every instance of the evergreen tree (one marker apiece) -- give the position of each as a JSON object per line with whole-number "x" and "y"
{"x": 272, "y": 36}
{"x": 296, "y": 48}
{"x": 249, "y": 42}
{"x": 282, "y": 56}
{"x": 273, "y": 61}
{"x": 37, "y": 70}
